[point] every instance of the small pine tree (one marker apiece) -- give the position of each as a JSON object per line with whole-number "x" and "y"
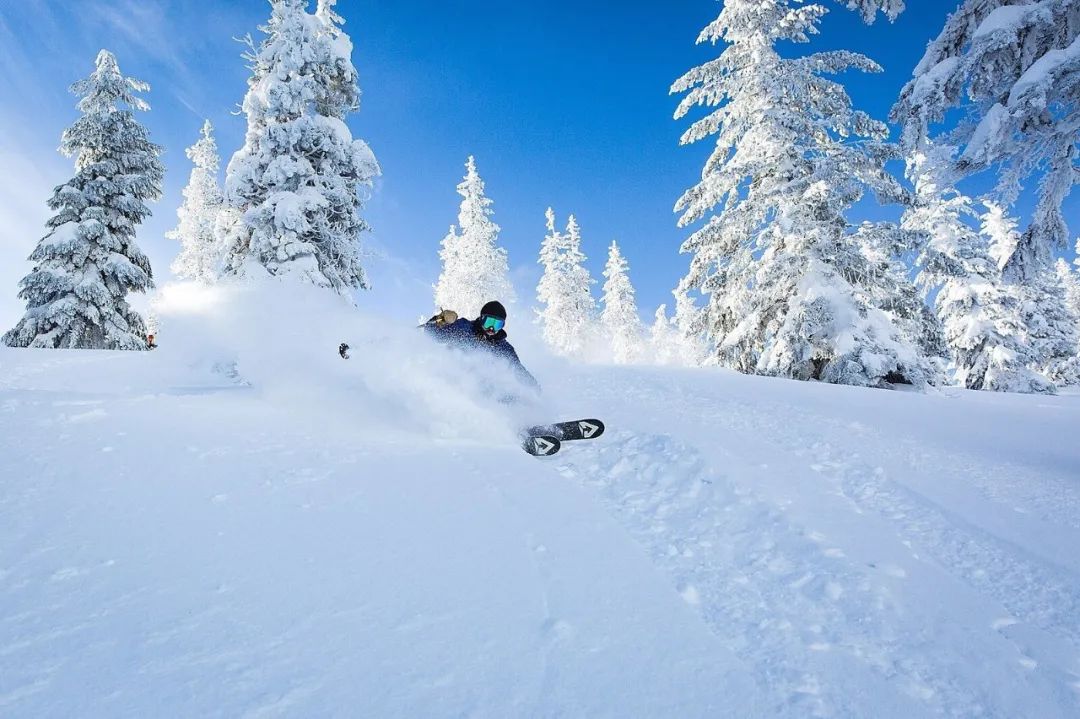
{"x": 196, "y": 231}
{"x": 619, "y": 317}
{"x": 689, "y": 323}
{"x": 88, "y": 262}
{"x": 296, "y": 188}
{"x": 1069, "y": 369}
{"x": 663, "y": 339}
{"x": 564, "y": 289}
{"x": 1071, "y": 282}
{"x": 475, "y": 268}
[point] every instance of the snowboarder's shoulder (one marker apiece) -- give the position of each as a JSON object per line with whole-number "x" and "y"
{"x": 461, "y": 324}
{"x": 459, "y": 328}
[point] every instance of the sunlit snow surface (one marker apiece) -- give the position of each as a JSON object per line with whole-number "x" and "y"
{"x": 240, "y": 523}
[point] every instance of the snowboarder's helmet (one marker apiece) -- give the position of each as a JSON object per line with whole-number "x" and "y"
{"x": 493, "y": 309}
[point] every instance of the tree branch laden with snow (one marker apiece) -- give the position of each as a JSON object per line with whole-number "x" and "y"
{"x": 1013, "y": 66}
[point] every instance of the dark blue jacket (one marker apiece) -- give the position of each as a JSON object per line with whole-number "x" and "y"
{"x": 467, "y": 334}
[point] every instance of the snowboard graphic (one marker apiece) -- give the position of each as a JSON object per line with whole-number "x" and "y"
{"x": 540, "y": 445}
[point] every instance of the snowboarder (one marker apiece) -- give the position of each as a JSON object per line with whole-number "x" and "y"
{"x": 485, "y": 332}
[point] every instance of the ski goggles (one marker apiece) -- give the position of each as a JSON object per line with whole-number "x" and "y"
{"x": 490, "y": 323}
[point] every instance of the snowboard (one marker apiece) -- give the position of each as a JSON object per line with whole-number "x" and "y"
{"x": 546, "y": 439}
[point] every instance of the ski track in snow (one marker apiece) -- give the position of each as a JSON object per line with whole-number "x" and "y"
{"x": 761, "y": 584}
{"x": 784, "y": 597}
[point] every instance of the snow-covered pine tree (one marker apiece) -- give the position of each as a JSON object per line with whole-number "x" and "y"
{"x": 619, "y": 317}
{"x": 88, "y": 262}
{"x": 950, "y": 253}
{"x": 199, "y": 254}
{"x": 569, "y": 313}
{"x": 892, "y": 292}
{"x": 1014, "y": 68}
{"x": 475, "y": 268}
{"x": 1070, "y": 369}
{"x": 689, "y": 323}
{"x": 296, "y": 188}
{"x": 984, "y": 339}
{"x": 1046, "y": 324}
{"x": 788, "y": 288}
{"x": 981, "y": 318}
{"x": 663, "y": 338}
{"x": 1071, "y": 282}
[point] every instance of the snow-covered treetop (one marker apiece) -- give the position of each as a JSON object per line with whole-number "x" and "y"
{"x": 107, "y": 141}
{"x": 564, "y": 289}
{"x": 104, "y": 92}
{"x": 619, "y": 317}
{"x": 475, "y": 269}
{"x": 1001, "y": 232}
{"x": 870, "y": 8}
{"x": 107, "y": 86}
{"x": 203, "y": 154}
{"x": 475, "y": 205}
{"x": 296, "y": 188}
{"x": 751, "y": 86}
{"x": 198, "y": 215}
{"x": 618, "y": 292}
{"x": 741, "y": 20}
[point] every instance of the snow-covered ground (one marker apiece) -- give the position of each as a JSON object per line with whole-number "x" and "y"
{"x": 297, "y": 535}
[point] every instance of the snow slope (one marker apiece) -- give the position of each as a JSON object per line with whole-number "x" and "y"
{"x": 242, "y": 524}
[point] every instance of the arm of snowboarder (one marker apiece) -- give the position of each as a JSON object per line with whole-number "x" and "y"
{"x": 523, "y": 374}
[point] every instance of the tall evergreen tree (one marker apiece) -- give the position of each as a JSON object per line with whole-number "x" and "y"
{"x": 569, "y": 311}
{"x": 199, "y": 252}
{"x": 475, "y": 268}
{"x": 1014, "y": 68}
{"x": 88, "y": 262}
{"x": 789, "y": 289}
{"x": 296, "y": 188}
{"x": 619, "y": 317}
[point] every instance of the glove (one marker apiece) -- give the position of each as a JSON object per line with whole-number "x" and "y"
{"x": 445, "y": 317}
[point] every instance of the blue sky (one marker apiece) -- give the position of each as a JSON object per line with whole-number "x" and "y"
{"x": 562, "y": 103}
